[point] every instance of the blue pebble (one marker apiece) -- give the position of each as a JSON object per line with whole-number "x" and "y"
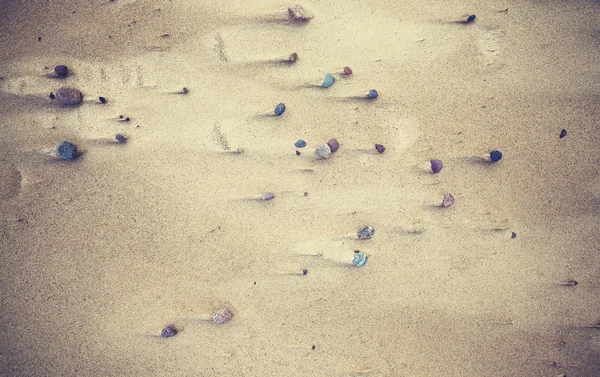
{"x": 495, "y": 156}
{"x": 66, "y": 150}
{"x": 300, "y": 144}
{"x": 279, "y": 109}
{"x": 372, "y": 94}
{"x": 120, "y": 138}
{"x": 360, "y": 259}
{"x": 328, "y": 80}
{"x": 168, "y": 332}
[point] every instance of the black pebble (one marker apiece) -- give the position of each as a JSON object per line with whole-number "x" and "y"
{"x": 297, "y": 153}
{"x": 513, "y": 235}
{"x": 120, "y": 116}
{"x": 61, "y": 70}
{"x": 185, "y": 90}
{"x": 102, "y": 99}
{"x": 313, "y": 347}
{"x": 471, "y": 18}
{"x": 563, "y": 133}
{"x": 51, "y": 96}
{"x": 304, "y": 272}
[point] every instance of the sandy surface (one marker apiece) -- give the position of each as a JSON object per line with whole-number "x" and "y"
{"x": 100, "y": 253}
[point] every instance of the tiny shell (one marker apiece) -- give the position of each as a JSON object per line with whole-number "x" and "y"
{"x": 380, "y": 148}
{"x": 221, "y": 316}
{"x": 448, "y": 200}
{"x": 333, "y": 145}
{"x": 365, "y": 233}
{"x": 69, "y": 96}
{"x": 267, "y": 195}
{"x": 298, "y": 13}
{"x": 436, "y": 166}
{"x": 168, "y": 332}
{"x": 360, "y": 259}
{"x": 323, "y": 151}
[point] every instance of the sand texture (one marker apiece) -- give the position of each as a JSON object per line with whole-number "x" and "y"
{"x": 100, "y": 253}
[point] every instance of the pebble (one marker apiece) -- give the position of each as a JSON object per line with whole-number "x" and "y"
{"x": 102, "y": 99}
{"x": 380, "y": 148}
{"x": 61, "y": 70}
{"x": 304, "y": 272}
{"x": 267, "y": 195}
{"x": 168, "y": 332}
{"x": 66, "y": 150}
{"x": 120, "y": 138}
{"x": 347, "y": 71}
{"x": 365, "y": 233}
{"x": 69, "y": 96}
{"x": 293, "y": 57}
{"x": 436, "y": 166}
{"x": 563, "y": 133}
{"x": 360, "y": 259}
{"x": 372, "y": 94}
{"x": 300, "y": 144}
{"x": 298, "y": 13}
{"x": 185, "y": 90}
{"x": 471, "y": 18}
{"x": 297, "y": 152}
{"x": 323, "y": 151}
{"x": 513, "y": 235}
{"x": 221, "y": 316}
{"x": 495, "y": 156}
{"x": 333, "y": 145}
{"x": 448, "y": 200}
{"x": 279, "y": 109}
{"x": 328, "y": 80}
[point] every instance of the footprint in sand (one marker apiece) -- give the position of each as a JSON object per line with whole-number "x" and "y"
{"x": 10, "y": 180}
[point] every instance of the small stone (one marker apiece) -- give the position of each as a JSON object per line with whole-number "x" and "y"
{"x": 365, "y": 233}
{"x": 185, "y": 90}
{"x": 380, "y": 148}
{"x": 293, "y": 57}
{"x": 298, "y": 13}
{"x": 304, "y": 272}
{"x": 120, "y": 138}
{"x": 360, "y": 259}
{"x": 52, "y": 96}
{"x": 61, "y": 70}
{"x": 495, "y": 156}
{"x": 448, "y": 200}
{"x": 333, "y": 145}
{"x": 328, "y": 80}
{"x": 267, "y": 195}
{"x": 347, "y": 71}
{"x": 300, "y": 144}
{"x": 102, "y": 99}
{"x": 168, "y": 332}
{"x": 323, "y": 151}
{"x": 471, "y": 18}
{"x": 221, "y": 316}
{"x": 279, "y": 109}
{"x": 372, "y": 94}
{"x": 66, "y": 150}
{"x": 436, "y": 166}
{"x": 69, "y": 96}
{"x": 513, "y": 235}
{"x": 563, "y": 133}
{"x": 297, "y": 152}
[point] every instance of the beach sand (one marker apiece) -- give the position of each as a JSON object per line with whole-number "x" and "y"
{"x": 100, "y": 253}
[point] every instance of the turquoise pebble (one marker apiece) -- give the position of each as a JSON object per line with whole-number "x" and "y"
{"x": 300, "y": 144}
{"x": 279, "y": 109}
{"x": 372, "y": 94}
{"x": 66, "y": 150}
{"x": 328, "y": 80}
{"x": 360, "y": 259}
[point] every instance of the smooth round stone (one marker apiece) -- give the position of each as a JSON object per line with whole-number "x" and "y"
{"x": 61, "y": 70}
{"x": 347, "y": 71}
{"x": 323, "y": 151}
{"x": 328, "y": 80}
{"x": 279, "y": 109}
{"x": 471, "y": 18}
{"x": 300, "y": 144}
{"x": 495, "y": 156}
{"x": 66, "y": 150}
{"x": 69, "y": 96}
{"x": 221, "y": 316}
{"x": 380, "y": 148}
{"x": 168, "y": 332}
{"x": 372, "y": 94}
{"x": 267, "y": 196}
{"x": 360, "y": 259}
{"x": 333, "y": 145}
{"x": 436, "y": 166}
{"x": 448, "y": 200}
{"x": 365, "y": 233}
{"x": 120, "y": 138}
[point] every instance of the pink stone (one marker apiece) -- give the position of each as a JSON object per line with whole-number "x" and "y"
{"x": 333, "y": 145}
{"x": 448, "y": 200}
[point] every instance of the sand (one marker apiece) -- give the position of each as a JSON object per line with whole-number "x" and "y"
{"x": 99, "y": 254}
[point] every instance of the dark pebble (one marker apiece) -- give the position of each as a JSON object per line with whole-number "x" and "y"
{"x": 563, "y": 133}
{"x": 333, "y": 145}
{"x": 304, "y": 272}
{"x": 300, "y": 144}
{"x": 61, "y": 70}
{"x": 279, "y": 109}
{"x": 120, "y": 116}
{"x": 436, "y": 166}
{"x": 471, "y": 18}
{"x": 168, "y": 332}
{"x": 297, "y": 152}
{"x": 380, "y": 148}
{"x": 102, "y": 99}
{"x": 513, "y": 235}
{"x": 313, "y": 348}
{"x": 185, "y": 90}
{"x": 52, "y": 96}
{"x": 69, "y": 96}
{"x": 66, "y": 150}
{"x": 495, "y": 156}
{"x": 120, "y": 138}
{"x": 372, "y": 94}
